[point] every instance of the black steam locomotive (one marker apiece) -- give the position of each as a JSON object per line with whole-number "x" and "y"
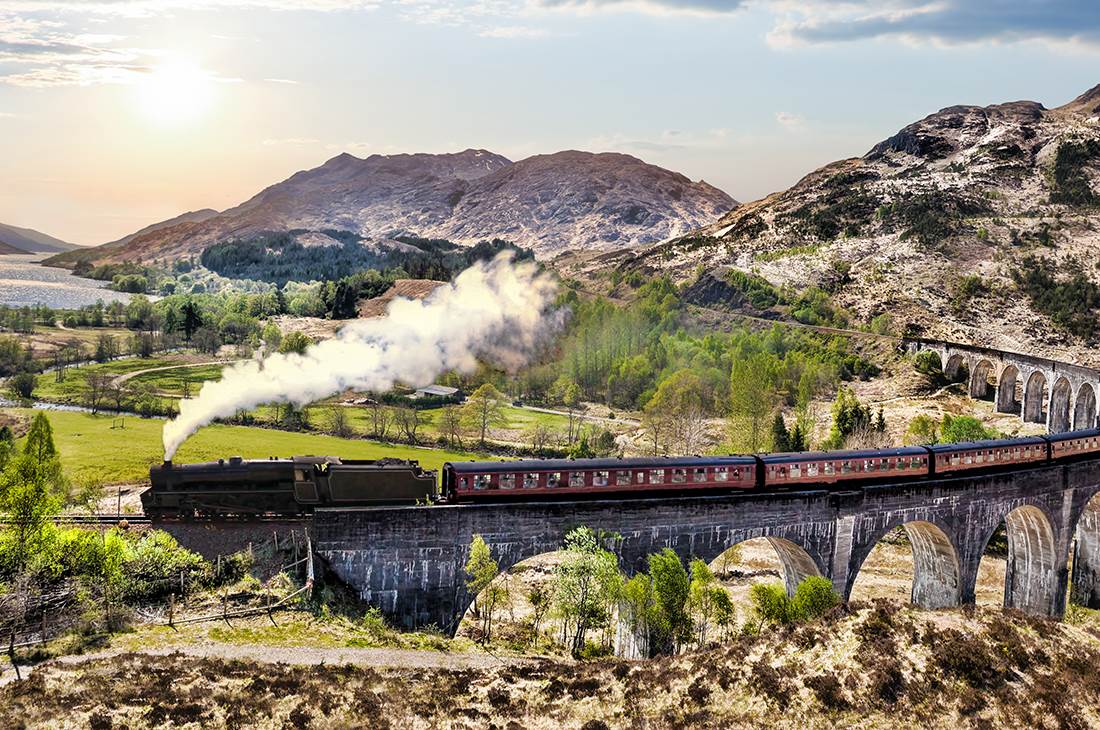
{"x": 282, "y": 487}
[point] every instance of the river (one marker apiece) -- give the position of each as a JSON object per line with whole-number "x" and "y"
{"x": 23, "y": 281}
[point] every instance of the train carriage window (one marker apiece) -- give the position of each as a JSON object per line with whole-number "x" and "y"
{"x": 507, "y": 481}
{"x": 622, "y": 479}
{"x": 721, "y": 474}
{"x": 576, "y": 478}
{"x": 916, "y": 462}
{"x": 699, "y": 475}
{"x": 679, "y": 476}
{"x": 640, "y": 477}
{"x": 482, "y": 481}
{"x": 968, "y": 458}
{"x": 657, "y": 476}
{"x": 553, "y": 479}
{"x": 736, "y": 475}
{"x": 886, "y": 465}
{"x": 796, "y": 471}
{"x": 463, "y": 483}
{"x": 830, "y": 468}
{"x": 979, "y": 457}
{"x": 845, "y": 467}
{"x": 601, "y": 479}
{"x": 869, "y": 465}
{"x": 954, "y": 459}
{"x": 530, "y": 481}
{"x": 812, "y": 469}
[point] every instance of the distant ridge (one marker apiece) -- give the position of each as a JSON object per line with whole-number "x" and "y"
{"x": 28, "y": 240}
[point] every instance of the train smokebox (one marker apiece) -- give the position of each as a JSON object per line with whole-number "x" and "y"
{"x": 167, "y": 463}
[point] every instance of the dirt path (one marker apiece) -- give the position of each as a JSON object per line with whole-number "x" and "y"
{"x": 126, "y": 376}
{"x": 300, "y": 655}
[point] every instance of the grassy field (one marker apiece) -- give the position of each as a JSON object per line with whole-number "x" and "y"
{"x": 71, "y": 388}
{"x": 171, "y": 381}
{"x": 93, "y": 448}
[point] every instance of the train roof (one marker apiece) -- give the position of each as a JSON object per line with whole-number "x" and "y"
{"x": 991, "y": 444}
{"x": 1070, "y": 435}
{"x": 483, "y": 467}
{"x": 842, "y": 455}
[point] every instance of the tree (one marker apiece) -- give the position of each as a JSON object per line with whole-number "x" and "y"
{"x": 567, "y": 393}
{"x": 29, "y": 485}
{"x": 481, "y": 570}
{"x": 752, "y": 398}
{"x": 539, "y": 435}
{"x": 922, "y": 430}
{"x": 190, "y": 318}
{"x": 781, "y": 440}
{"x": 450, "y": 425}
{"x": 639, "y": 610}
{"x": 337, "y": 417}
{"x": 957, "y": 429}
{"x": 409, "y": 420}
{"x": 540, "y": 599}
{"x": 7, "y": 445}
{"x": 483, "y": 410}
{"x": 679, "y": 405}
{"x": 106, "y": 347}
{"x": 671, "y": 587}
{"x": 849, "y": 416}
{"x": 295, "y": 341}
{"x": 207, "y": 340}
{"x": 587, "y": 585}
{"x": 22, "y": 385}
{"x": 703, "y": 597}
{"x": 118, "y": 391}
{"x": 96, "y": 386}
{"x": 380, "y": 418}
{"x": 272, "y": 336}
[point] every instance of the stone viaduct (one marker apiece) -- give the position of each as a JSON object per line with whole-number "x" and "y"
{"x": 408, "y": 561}
{"x": 1060, "y": 395}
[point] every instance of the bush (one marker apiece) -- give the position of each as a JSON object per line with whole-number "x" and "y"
{"x": 928, "y": 363}
{"x": 771, "y": 603}
{"x": 813, "y": 598}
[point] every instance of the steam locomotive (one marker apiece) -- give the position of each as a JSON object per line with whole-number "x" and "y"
{"x": 284, "y": 487}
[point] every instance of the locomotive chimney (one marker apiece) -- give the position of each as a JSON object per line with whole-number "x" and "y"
{"x": 167, "y": 463}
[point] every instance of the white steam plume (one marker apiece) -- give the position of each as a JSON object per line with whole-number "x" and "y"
{"x": 492, "y": 309}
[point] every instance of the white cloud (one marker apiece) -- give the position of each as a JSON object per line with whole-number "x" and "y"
{"x": 669, "y": 139}
{"x": 282, "y": 81}
{"x": 789, "y": 121}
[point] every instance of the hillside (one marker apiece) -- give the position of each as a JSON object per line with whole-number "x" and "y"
{"x": 547, "y": 202}
{"x": 877, "y": 666}
{"x": 27, "y": 240}
{"x": 975, "y": 224}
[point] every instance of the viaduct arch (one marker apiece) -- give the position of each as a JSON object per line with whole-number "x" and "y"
{"x": 408, "y": 561}
{"x": 1062, "y": 396}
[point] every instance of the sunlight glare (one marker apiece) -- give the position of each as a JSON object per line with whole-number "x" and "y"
{"x": 176, "y": 93}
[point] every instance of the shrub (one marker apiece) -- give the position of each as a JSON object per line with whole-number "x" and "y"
{"x": 22, "y": 385}
{"x": 771, "y": 603}
{"x": 928, "y": 363}
{"x": 813, "y": 598}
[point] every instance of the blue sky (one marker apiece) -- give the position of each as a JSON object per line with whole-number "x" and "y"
{"x": 118, "y": 113}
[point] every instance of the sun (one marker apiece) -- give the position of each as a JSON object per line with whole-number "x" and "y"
{"x": 176, "y": 93}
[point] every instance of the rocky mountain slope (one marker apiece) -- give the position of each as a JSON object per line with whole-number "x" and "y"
{"x": 976, "y": 224}
{"x": 26, "y": 240}
{"x": 547, "y": 202}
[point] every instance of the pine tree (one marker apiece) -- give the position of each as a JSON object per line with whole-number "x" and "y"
{"x": 781, "y": 440}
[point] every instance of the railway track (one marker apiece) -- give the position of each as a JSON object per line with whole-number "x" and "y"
{"x": 112, "y": 518}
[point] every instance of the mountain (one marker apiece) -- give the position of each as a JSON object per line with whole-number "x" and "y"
{"x": 90, "y": 254}
{"x": 26, "y": 240}
{"x": 976, "y": 224}
{"x": 548, "y": 202}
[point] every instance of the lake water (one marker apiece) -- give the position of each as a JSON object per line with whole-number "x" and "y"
{"x": 24, "y": 282}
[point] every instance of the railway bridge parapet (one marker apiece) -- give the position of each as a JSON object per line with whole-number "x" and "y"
{"x": 409, "y": 561}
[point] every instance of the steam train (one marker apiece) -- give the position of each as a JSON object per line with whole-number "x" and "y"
{"x": 494, "y": 481}
{"x": 297, "y": 486}
{"x": 283, "y": 487}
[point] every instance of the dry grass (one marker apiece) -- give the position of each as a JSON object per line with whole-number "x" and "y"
{"x": 878, "y": 666}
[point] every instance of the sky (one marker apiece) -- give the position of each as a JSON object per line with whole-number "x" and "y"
{"x": 115, "y": 114}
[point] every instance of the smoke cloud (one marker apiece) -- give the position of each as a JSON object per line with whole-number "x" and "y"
{"x": 492, "y": 310}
